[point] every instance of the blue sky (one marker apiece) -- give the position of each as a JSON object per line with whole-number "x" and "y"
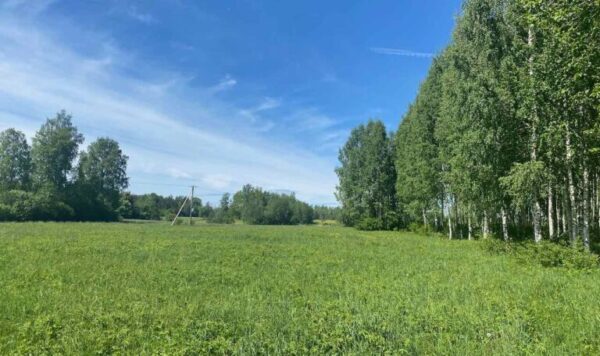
{"x": 219, "y": 93}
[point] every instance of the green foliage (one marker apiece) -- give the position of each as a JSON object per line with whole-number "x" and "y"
{"x": 101, "y": 174}
{"x": 53, "y": 151}
{"x": 15, "y": 160}
{"x": 503, "y": 136}
{"x": 19, "y": 205}
{"x": 155, "y": 207}
{"x": 223, "y": 215}
{"x": 420, "y": 229}
{"x": 256, "y": 206}
{"x": 546, "y": 254}
{"x": 524, "y": 182}
{"x": 91, "y": 288}
{"x": 322, "y": 212}
{"x": 367, "y": 176}
{"x": 369, "y": 224}
{"x": 42, "y": 185}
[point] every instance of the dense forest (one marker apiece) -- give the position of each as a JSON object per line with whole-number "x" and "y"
{"x": 502, "y": 138}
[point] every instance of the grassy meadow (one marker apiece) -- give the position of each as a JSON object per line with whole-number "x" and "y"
{"x": 133, "y": 288}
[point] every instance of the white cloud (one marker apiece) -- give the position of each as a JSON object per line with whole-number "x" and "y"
{"x": 178, "y": 173}
{"x": 254, "y": 114}
{"x": 217, "y": 181}
{"x": 401, "y": 52}
{"x": 226, "y": 83}
{"x": 168, "y": 137}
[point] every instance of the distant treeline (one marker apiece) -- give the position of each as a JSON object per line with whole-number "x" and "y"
{"x": 52, "y": 180}
{"x": 42, "y": 182}
{"x": 156, "y": 207}
{"x": 252, "y": 205}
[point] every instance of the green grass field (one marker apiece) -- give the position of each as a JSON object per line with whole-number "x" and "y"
{"x": 82, "y": 288}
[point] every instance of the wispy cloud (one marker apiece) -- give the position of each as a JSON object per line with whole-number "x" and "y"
{"x": 181, "y": 134}
{"x": 226, "y": 83}
{"x": 27, "y": 7}
{"x": 140, "y": 16}
{"x": 255, "y": 114}
{"x": 401, "y": 52}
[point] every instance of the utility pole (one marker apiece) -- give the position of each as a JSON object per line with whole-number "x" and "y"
{"x": 180, "y": 209}
{"x": 192, "y": 205}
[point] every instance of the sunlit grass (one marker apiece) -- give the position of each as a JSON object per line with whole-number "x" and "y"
{"x": 152, "y": 288}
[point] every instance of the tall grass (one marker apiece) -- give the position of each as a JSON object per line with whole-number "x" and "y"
{"x": 152, "y": 288}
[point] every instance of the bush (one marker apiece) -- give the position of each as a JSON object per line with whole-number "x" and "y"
{"x": 5, "y": 213}
{"x": 545, "y": 253}
{"x": 419, "y": 228}
{"x": 369, "y": 224}
{"x": 220, "y": 216}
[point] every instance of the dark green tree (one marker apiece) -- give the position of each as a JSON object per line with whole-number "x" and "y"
{"x": 53, "y": 150}
{"x": 367, "y": 177}
{"x": 15, "y": 161}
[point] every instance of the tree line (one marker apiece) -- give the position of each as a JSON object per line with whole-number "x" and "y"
{"x": 251, "y": 205}
{"x": 502, "y": 138}
{"x": 52, "y": 180}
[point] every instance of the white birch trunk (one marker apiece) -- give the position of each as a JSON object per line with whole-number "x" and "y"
{"x": 564, "y": 217}
{"x": 424, "y": 218}
{"x": 504, "y": 224}
{"x": 537, "y": 215}
{"x": 550, "y": 213}
{"x": 537, "y": 232}
{"x": 572, "y": 202}
{"x": 558, "y": 230}
{"x": 470, "y": 227}
{"x": 449, "y": 227}
{"x": 586, "y": 208}
{"x": 486, "y": 227}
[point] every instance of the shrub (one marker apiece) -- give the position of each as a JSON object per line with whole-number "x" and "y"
{"x": 545, "y": 253}
{"x": 369, "y": 224}
{"x": 550, "y": 254}
{"x": 420, "y": 228}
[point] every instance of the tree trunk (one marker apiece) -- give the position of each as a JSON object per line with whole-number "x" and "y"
{"x": 564, "y": 217}
{"x": 469, "y": 226}
{"x": 592, "y": 199}
{"x": 573, "y": 214}
{"x": 586, "y": 208}
{"x": 598, "y": 201}
{"x": 486, "y": 227}
{"x": 550, "y": 213}
{"x": 537, "y": 232}
{"x": 537, "y": 216}
{"x": 424, "y": 218}
{"x": 442, "y": 205}
{"x": 504, "y": 224}
{"x": 449, "y": 227}
{"x": 558, "y": 231}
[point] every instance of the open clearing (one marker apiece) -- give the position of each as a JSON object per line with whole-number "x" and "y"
{"x": 152, "y": 288}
